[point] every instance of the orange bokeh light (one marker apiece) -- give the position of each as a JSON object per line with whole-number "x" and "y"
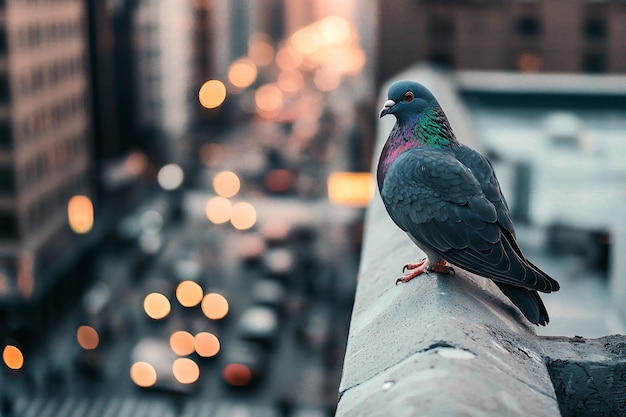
{"x": 143, "y": 374}
{"x": 212, "y": 94}
{"x": 290, "y": 81}
{"x": 207, "y": 344}
{"x": 351, "y": 188}
{"x": 219, "y": 210}
{"x": 288, "y": 58}
{"x": 12, "y": 357}
{"x": 215, "y": 306}
{"x": 260, "y": 49}
{"x": 326, "y": 80}
{"x": 87, "y": 337}
{"x": 335, "y": 30}
{"x": 269, "y": 100}
{"x": 182, "y": 343}
{"x": 242, "y": 73}
{"x": 226, "y": 184}
{"x": 156, "y": 306}
{"x": 185, "y": 370}
{"x": 244, "y": 216}
{"x": 189, "y": 293}
{"x": 80, "y": 214}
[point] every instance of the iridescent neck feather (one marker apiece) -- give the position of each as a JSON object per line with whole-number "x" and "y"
{"x": 428, "y": 129}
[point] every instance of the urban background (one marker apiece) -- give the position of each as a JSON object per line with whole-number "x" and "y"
{"x": 183, "y": 183}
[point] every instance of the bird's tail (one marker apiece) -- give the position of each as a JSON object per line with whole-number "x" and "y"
{"x": 528, "y": 302}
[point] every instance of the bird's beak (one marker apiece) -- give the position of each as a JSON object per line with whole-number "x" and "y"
{"x": 386, "y": 108}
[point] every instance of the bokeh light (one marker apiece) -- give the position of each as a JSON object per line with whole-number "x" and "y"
{"x": 290, "y": 81}
{"x": 260, "y": 49}
{"x": 242, "y": 73}
{"x": 143, "y": 374}
{"x": 244, "y": 216}
{"x": 182, "y": 343}
{"x": 12, "y": 357}
{"x": 219, "y": 210}
{"x": 287, "y": 58}
{"x": 170, "y": 176}
{"x": 212, "y": 94}
{"x": 207, "y": 344}
{"x": 211, "y": 154}
{"x": 335, "y": 30}
{"x": 80, "y": 214}
{"x": 279, "y": 180}
{"x": 326, "y": 80}
{"x": 226, "y": 184}
{"x": 268, "y": 100}
{"x": 351, "y": 188}
{"x": 136, "y": 163}
{"x": 156, "y": 306}
{"x": 215, "y": 306}
{"x": 189, "y": 293}
{"x": 237, "y": 374}
{"x": 185, "y": 370}
{"x": 306, "y": 40}
{"x": 87, "y": 337}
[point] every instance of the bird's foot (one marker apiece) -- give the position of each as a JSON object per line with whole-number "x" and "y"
{"x": 424, "y": 266}
{"x": 414, "y": 266}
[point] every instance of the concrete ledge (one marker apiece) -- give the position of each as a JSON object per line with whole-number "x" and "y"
{"x": 589, "y": 375}
{"x": 438, "y": 345}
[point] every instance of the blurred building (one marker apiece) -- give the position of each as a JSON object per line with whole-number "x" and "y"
{"x": 165, "y": 40}
{"x": 45, "y": 139}
{"x": 525, "y": 35}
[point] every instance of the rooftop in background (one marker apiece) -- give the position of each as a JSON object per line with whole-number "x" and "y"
{"x": 569, "y": 128}
{"x": 568, "y": 131}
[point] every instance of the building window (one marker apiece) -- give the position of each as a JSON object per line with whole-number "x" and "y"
{"x": 441, "y": 58}
{"x": 594, "y": 28}
{"x": 3, "y": 40}
{"x": 5, "y": 91}
{"x": 528, "y": 26}
{"x": 594, "y": 62}
{"x": 529, "y": 62}
{"x": 6, "y": 136}
{"x": 7, "y": 181}
{"x": 440, "y": 27}
{"x": 8, "y": 226}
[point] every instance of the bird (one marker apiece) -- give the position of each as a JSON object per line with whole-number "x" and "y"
{"x": 445, "y": 195}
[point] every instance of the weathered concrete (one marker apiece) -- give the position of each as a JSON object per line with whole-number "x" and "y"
{"x": 438, "y": 345}
{"x": 589, "y": 375}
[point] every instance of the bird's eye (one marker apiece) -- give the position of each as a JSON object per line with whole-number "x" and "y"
{"x": 408, "y": 96}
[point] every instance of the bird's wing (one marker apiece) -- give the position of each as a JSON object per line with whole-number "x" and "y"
{"x": 483, "y": 171}
{"x": 440, "y": 203}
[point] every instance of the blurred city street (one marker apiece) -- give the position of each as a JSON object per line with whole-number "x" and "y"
{"x": 288, "y": 285}
{"x": 183, "y": 185}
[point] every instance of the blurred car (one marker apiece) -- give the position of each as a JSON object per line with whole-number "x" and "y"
{"x": 259, "y": 324}
{"x": 157, "y": 360}
{"x": 315, "y": 331}
{"x": 244, "y": 363}
{"x": 270, "y": 293}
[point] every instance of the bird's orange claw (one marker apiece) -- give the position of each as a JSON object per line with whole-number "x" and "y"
{"x": 413, "y": 266}
{"x": 424, "y": 266}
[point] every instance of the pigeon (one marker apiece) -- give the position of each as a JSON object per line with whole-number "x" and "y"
{"x": 446, "y": 197}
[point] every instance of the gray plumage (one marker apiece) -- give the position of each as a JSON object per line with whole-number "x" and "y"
{"x": 446, "y": 197}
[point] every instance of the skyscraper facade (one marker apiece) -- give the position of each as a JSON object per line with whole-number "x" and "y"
{"x": 45, "y": 133}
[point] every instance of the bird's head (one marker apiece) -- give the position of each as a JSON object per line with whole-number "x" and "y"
{"x": 406, "y": 99}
